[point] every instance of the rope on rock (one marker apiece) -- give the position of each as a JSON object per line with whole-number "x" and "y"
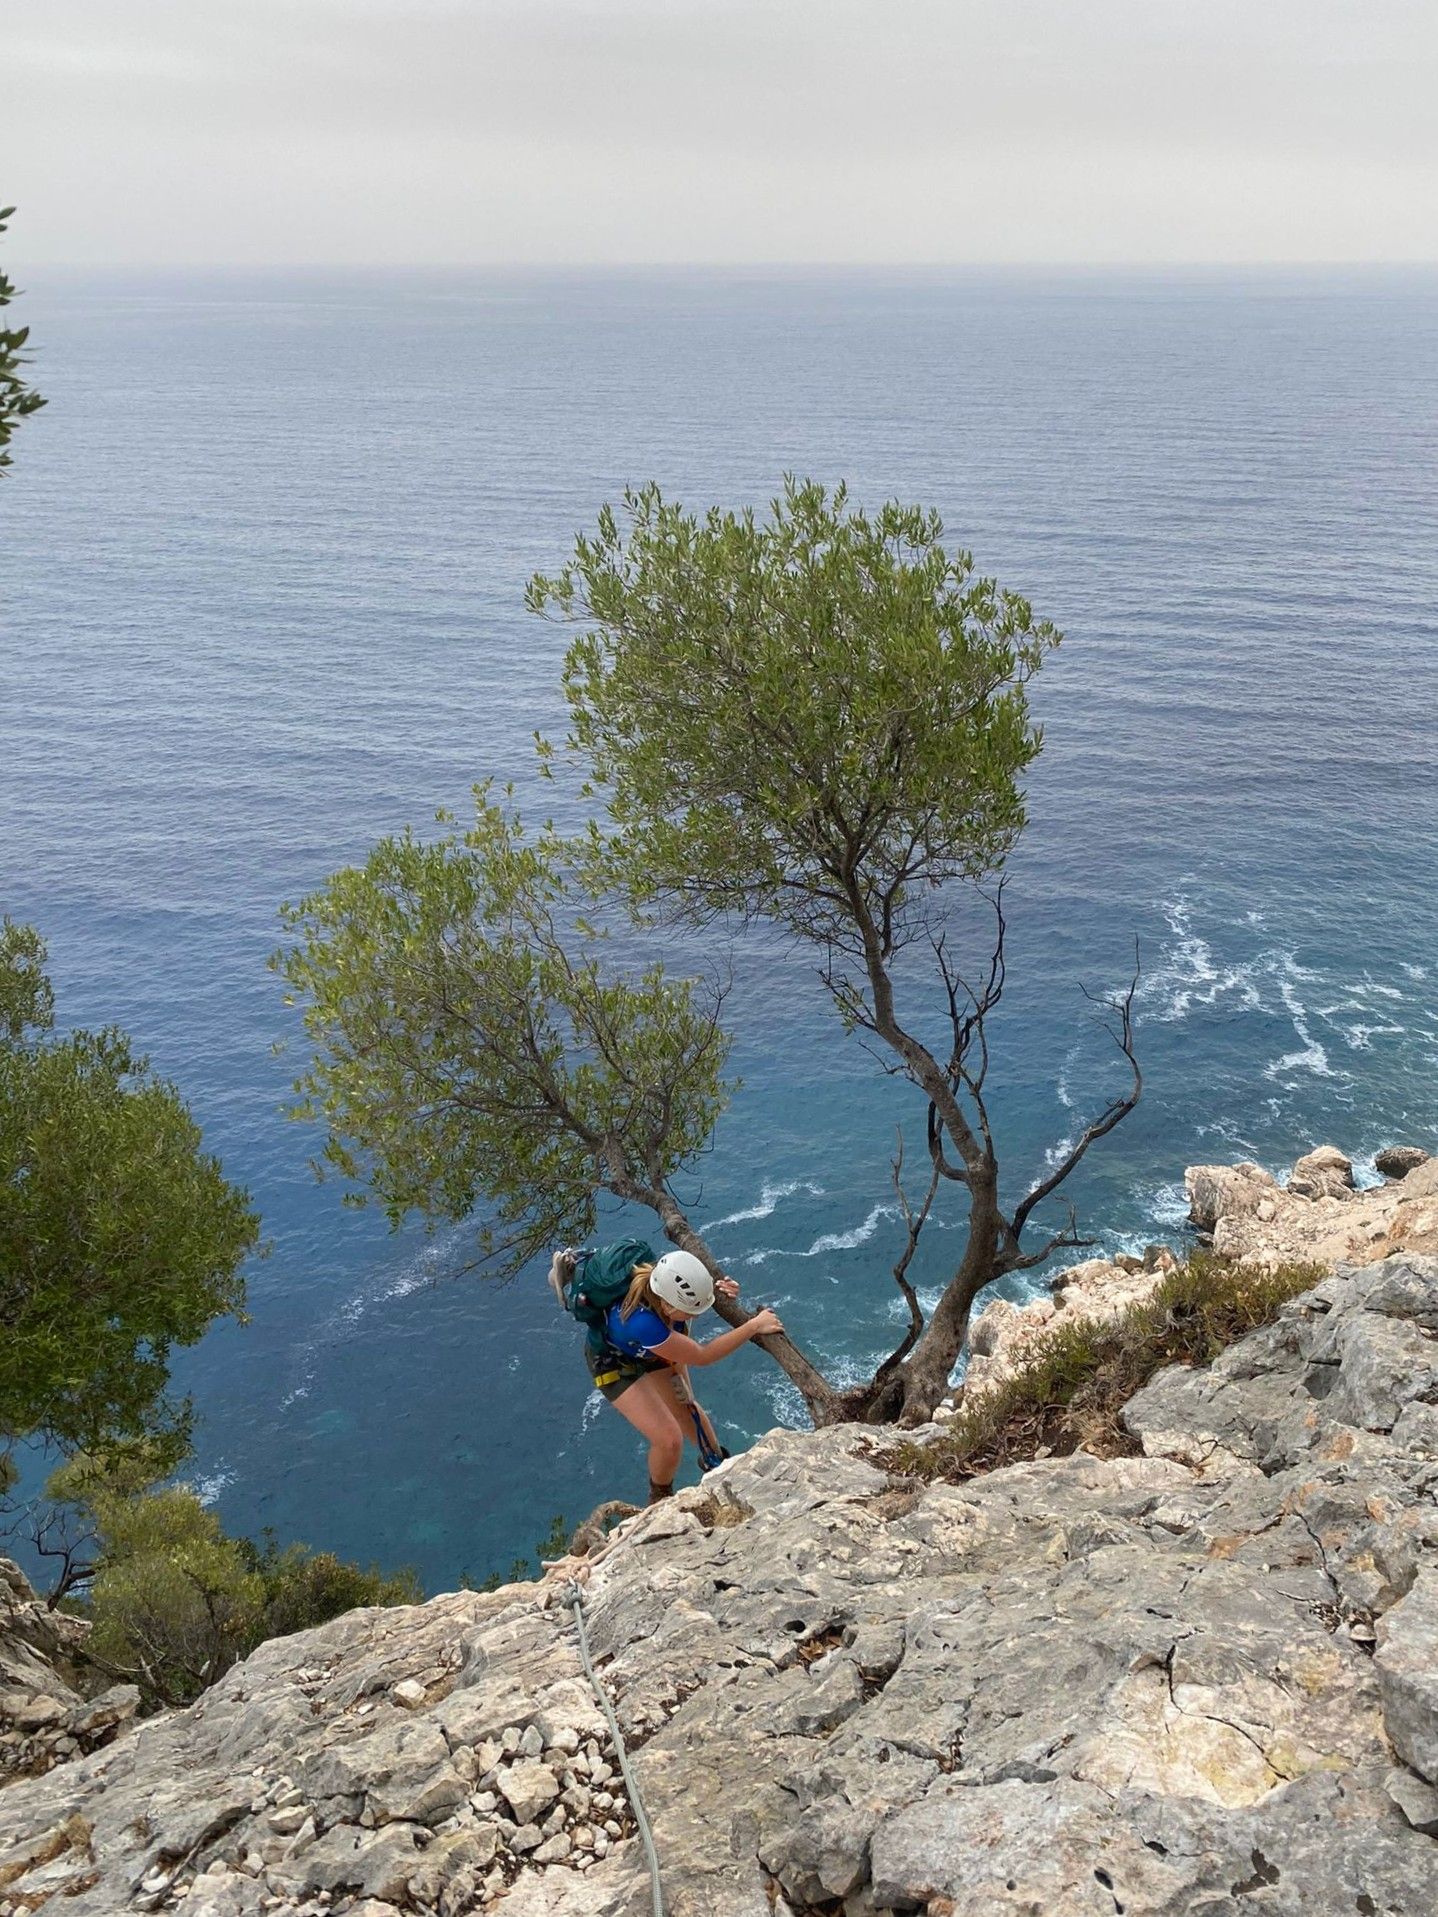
{"x": 574, "y": 1598}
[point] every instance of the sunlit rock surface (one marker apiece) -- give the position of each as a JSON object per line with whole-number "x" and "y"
{"x": 1200, "y": 1680}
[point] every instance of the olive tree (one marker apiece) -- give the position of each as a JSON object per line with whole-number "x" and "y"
{"x": 120, "y": 1238}
{"x": 480, "y": 1048}
{"x": 820, "y": 719}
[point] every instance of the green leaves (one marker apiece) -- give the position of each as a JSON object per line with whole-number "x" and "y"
{"x": 119, "y": 1236}
{"x": 173, "y": 1601}
{"x": 17, "y": 400}
{"x": 472, "y": 1045}
{"x": 817, "y": 718}
{"x": 27, "y": 1003}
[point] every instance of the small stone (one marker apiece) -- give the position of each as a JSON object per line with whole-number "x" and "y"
{"x": 582, "y": 1837}
{"x": 509, "y": 1742}
{"x": 565, "y": 1739}
{"x": 601, "y": 1843}
{"x": 287, "y": 1821}
{"x": 528, "y": 1837}
{"x": 528, "y": 1789}
{"x": 531, "y": 1742}
{"x": 554, "y": 1850}
{"x": 555, "y": 1821}
{"x": 612, "y": 1827}
{"x": 484, "y": 1802}
{"x": 293, "y": 1795}
{"x": 409, "y": 1693}
{"x": 302, "y": 1839}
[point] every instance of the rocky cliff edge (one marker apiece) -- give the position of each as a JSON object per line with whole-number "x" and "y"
{"x": 1200, "y": 1680}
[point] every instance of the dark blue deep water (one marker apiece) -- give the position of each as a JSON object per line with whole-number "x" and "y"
{"x": 261, "y": 568}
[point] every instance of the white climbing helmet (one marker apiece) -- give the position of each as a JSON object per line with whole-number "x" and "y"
{"x": 683, "y": 1282}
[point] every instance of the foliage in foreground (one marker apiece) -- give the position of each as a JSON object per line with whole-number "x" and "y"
{"x": 17, "y": 399}
{"x": 119, "y": 1235}
{"x": 1070, "y": 1396}
{"x": 174, "y": 1601}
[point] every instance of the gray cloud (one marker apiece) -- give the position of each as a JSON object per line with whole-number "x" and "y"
{"x": 428, "y": 130}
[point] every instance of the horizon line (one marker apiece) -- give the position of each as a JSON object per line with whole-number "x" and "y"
{"x": 729, "y": 265}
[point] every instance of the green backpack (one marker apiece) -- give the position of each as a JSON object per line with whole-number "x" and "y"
{"x": 600, "y": 1279}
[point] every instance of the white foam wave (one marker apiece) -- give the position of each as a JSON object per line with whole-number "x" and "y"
{"x": 770, "y": 1198}
{"x": 850, "y": 1240}
{"x": 1415, "y": 971}
{"x": 1188, "y": 973}
{"x": 1168, "y": 1205}
{"x": 209, "y": 1487}
{"x": 1360, "y": 1037}
{"x": 1056, "y": 1154}
{"x": 1065, "y": 1096}
{"x": 1311, "y": 1057}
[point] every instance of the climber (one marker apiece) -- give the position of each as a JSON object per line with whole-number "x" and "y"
{"x": 637, "y": 1309}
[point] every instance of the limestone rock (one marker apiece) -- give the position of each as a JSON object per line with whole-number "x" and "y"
{"x": 1396, "y": 1161}
{"x": 1222, "y": 1191}
{"x": 528, "y": 1789}
{"x": 1336, "y": 1226}
{"x": 1407, "y": 1661}
{"x": 53, "y": 1703}
{"x": 1322, "y": 1173}
{"x": 1191, "y": 1681}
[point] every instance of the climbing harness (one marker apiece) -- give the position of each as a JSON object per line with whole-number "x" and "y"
{"x": 574, "y": 1598}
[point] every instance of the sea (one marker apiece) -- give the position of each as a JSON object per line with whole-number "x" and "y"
{"x": 262, "y": 564}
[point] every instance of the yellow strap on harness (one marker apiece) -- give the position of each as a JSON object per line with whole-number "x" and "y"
{"x": 607, "y": 1377}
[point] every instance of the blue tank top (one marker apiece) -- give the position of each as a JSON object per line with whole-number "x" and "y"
{"x": 638, "y": 1334}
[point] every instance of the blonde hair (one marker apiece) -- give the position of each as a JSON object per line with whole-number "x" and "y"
{"x": 639, "y": 1293}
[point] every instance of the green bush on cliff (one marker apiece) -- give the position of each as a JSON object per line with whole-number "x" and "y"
{"x": 173, "y": 1600}
{"x": 1070, "y": 1394}
{"x": 119, "y": 1235}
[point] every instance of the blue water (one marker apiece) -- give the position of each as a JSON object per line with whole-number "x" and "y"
{"x": 261, "y": 566}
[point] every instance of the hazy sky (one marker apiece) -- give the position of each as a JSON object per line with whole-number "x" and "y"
{"x": 733, "y": 130}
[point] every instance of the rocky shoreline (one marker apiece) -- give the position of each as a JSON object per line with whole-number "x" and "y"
{"x": 1200, "y": 1679}
{"x": 1317, "y": 1216}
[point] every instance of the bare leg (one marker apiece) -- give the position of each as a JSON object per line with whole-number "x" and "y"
{"x": 649, "y": 1406}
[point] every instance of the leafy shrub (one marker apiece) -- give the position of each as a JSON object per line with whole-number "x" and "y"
{"x": 173, "y": 1600}
{"x": 1071, "y": 1393}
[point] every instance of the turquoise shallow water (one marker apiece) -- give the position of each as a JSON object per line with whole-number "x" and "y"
{"x": 261, "y": 567}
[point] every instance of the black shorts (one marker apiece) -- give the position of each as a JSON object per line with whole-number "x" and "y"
{"x": 613, "y": 1375}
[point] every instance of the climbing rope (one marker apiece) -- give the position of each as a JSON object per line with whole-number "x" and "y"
{"x": 574, "y": 1598}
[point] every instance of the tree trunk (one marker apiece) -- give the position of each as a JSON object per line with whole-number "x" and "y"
{"x": 927, "y": 1369}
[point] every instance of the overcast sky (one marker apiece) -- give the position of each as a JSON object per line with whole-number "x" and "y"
{"x": 727, "y": 130}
